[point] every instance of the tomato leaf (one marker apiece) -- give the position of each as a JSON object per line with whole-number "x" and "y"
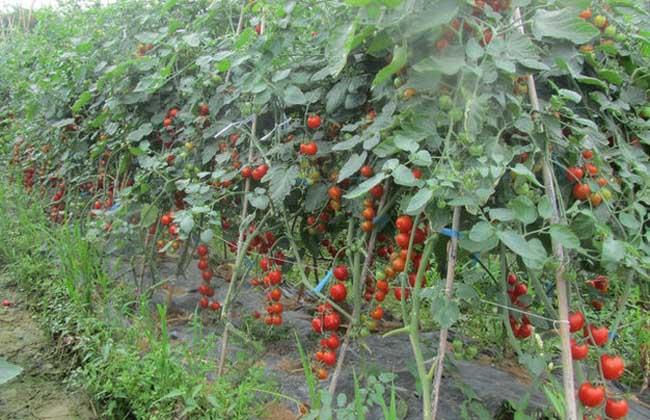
{"x": 563, "y": 24}
{"x": 137, "y": 135}
{"x": 294, "y": 96}
{"x": 281, "y": 179}
{"x": 398, "y": 61}
{"x": 524, "y": 209}
{"x": 445, "y": 311}
{"x": 148, "y": 214}
{"x": 365, "y": 186}
{"x": 418, "y": 202}
{"x": 565, "y": 236}
{"x": 354, "y": 163}
{"x": 8, "y": 371}
{"x": 518, "y": 244}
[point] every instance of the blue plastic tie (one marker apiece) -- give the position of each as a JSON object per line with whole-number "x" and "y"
{"x": 380, "y": 220}
{"x": 248, "y": 262}
{"x": 549, "y": 288}
{"x": 449, "y": 232}
{"x": 323, "y": 282}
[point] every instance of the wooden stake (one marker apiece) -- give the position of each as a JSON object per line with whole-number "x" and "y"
{"x": 449, "y": 284}
{"x": 558, "y": 252}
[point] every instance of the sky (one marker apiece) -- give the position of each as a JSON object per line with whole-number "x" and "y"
{"x": 7, "y": 4}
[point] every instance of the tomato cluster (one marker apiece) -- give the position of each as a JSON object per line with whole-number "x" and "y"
{"x": 326, "y": 322}
{"x": 611, "y": 367}
{"x": 517, "y": 290}
{"x": 207, "y": 274}
{"x": 582, "y": 190}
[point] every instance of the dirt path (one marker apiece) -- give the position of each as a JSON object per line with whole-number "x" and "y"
{"x": 38, "y": 392}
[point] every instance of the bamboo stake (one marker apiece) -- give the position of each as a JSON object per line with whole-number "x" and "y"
{"x": 558, "y": 251}
{"x": 449, "y": 284}
{"x": 225, "y": 313}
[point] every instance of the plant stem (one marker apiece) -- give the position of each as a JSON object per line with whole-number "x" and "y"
{"x": 414, "y": 332}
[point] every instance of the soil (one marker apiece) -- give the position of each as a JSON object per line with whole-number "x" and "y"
{"x": 494, "y": 385}
{"x": 38, "y": 392}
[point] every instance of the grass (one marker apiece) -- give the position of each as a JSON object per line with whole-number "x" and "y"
{"x": 118, "y": 349}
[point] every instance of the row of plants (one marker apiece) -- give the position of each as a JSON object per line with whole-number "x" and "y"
{"x": 363, "y": 150}
{"x": 117, "y": 349}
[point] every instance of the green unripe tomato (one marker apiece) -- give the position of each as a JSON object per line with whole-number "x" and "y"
{"x": 380, "y": 275}
{"x": 456, "y": 114}
{"x": 476, "y": 150}
{"x": 522, "y": 189}
{"x": 364, "y": 332}
{"x": 445, "y": 102}
{"x": 606, "y": 194}
{"x": 600, "y": 21}
{"x": 471, "y": 352}
{"x": 645, "y": 112}
{"x": 610, "y": 31}
{"x": 398, "y": 82}
{"x": 314, "y": 176}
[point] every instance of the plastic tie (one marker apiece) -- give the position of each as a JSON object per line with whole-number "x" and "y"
{"x": 449, "y": 232}
{"x": 323, "y": 282}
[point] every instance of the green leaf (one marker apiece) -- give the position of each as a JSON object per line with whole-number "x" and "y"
{"x": 421, "y": 158}
{"x": 148, "y": 214}
{"x": 613, "y": 250}
{"x": 521, "y": 170}
{"x": 445, "y": 312}
{"x": 405, "y": 143}
{"x": 536, "y": 365}
{"x": 354, "y": 163}
{"x": 449, "y": 64}
{"x": 398, "y": 61}
{"x": 629, "y": 221}
{"x": 316, "y": 197}
{"x": 503, "y": 215}
{"x": 339, "y": 47}
{"x": 518, "y": 244}
{"x": 418, "y": 202}
{"x": 544, "y": 208}
{"x": 563, "y": 24}
{"x": 137, "y": 135}
{"x": 192, "y": 40}
{"x": 294, "y": 96}
{"x": 570, "y": 95}
{"x": 404, "y": 176}
{"x": 206, "y": 235}
{"x": 8, "y": 371}
{"x": 611, "y": 76}
{"x": 429, "y": 15}
{"x": 281, "y": 181}
{"x": 347, "y": 144}
{"x": 465, "y": 292}
{"x": 365, "y": 186}
{"x": 336, "y": 96}
{"x": 565, "y": 236}
{"x": 482, "y": 231}
{"x": 83, "y": 100}
{"x": 524, "y": 209}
